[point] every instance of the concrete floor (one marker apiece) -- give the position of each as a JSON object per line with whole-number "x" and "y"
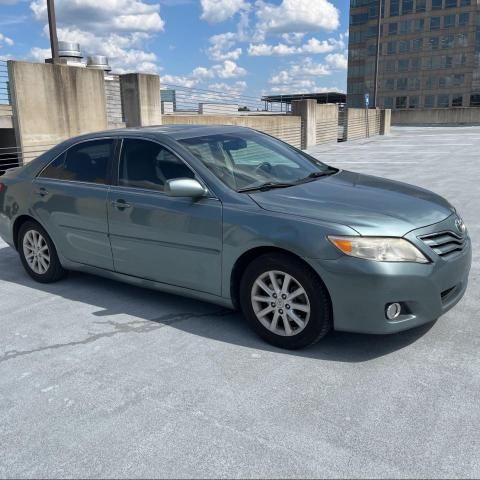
{"x": 101, "y": 379}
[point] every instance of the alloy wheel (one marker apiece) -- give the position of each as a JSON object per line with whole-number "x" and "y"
{"x": 36, "y": 251}
{"x": 280, "y": 303}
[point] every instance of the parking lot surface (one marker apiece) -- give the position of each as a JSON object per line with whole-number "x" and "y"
{"x": 102, "y": 379}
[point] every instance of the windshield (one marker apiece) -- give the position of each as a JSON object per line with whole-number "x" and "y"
{"x": 248, "y": 159}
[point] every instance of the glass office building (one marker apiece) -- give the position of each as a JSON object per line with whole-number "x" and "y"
{"x": 428, "y": 53}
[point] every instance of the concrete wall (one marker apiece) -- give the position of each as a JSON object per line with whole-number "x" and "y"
{"x": 385, "y": 121}
{"x": 327, "y": 123}
{"x": 437, "y": 116}
{"x": 54, "y": 102}
{"x": 356, "y": 123}
{"x": 306, "y": 110}
{"x": 141, "y": 99}
{"x": 284, "y": 127}
{"x": 6, "y": 116}
{"x": 113, "y": 100}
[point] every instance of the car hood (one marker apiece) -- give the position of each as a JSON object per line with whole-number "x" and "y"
{"x": 370, "y": 205}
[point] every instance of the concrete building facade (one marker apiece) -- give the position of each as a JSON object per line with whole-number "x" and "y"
{"x": 428, "y": 53}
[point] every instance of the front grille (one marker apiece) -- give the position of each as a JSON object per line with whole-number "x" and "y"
{"x": 444, "y": 244}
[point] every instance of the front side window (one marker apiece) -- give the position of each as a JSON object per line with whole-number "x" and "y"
{"x": 147, "y": 165}
{"x": 246, "y": 159}
{"x": 84, "y": 162}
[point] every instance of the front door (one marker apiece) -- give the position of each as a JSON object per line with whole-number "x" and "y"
{"x": 71, "y": 202}
{"x": 177, "y": 241}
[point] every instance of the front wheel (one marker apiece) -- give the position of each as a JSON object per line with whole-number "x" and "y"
{"x": 285, "y": 302}
{"x": 38, "y": 254}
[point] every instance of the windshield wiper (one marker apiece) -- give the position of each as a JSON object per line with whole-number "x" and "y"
{"x": 319, "y": 174}
{"x": 266, "y": 186}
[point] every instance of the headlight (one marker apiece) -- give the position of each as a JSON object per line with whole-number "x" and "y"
{"x": 380, "y": 249}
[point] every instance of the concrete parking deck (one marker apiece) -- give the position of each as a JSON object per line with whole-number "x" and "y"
{"x": 101, "y": 379}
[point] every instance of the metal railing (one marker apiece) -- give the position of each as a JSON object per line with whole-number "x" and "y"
{"x": 187, "y": 100}
{"x": 4, "y": 88}
{"x": 11, "y": 157}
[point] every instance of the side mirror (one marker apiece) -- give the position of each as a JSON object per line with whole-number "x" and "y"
{"x": 185, "y": 187}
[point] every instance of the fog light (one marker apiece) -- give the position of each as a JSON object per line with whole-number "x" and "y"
{"x": 393, "y": 311}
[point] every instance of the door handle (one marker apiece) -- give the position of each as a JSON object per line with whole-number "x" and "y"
{"x": 120, "y": 204}
{"x": 42, "y": 192}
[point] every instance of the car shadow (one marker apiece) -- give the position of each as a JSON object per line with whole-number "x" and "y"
{"x": 195, "y": 317}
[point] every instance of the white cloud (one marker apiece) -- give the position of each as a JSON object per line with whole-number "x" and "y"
{"x": 300, "y": 77}
{"x": 295, "y": 16}
{"x": 306, "y": 86}
{"x": 293, "y": 37}
{"x": 232, "y": 89}
{"x": 203, "y": 73}
{"x": 40, "y": 54}
{"x": 226, "y": 70}
{"x": 181, "y": 81}
{"x": 264, "y": 50}
{"x": 118, "y": 29}
{"x": 104, "y": 16}
{"x": 229, "y": 69}
{"x": 221, "y": 47}
{"x": 338, "y": 61}
{"x": 312, "y": 46}
{"x": 6, "y": 40}
{"x": 216, "y": 11}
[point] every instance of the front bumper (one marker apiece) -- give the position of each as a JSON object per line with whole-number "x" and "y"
{"x": 361, "y": 289}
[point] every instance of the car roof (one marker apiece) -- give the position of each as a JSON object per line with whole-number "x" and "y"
{"x": 178, "y": 131}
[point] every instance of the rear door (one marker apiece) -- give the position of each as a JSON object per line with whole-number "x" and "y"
{"x": 71, "y": 201}
{"x": 177, "y": 241}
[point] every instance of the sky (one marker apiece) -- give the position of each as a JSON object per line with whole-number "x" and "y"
{"x": 249, "y": 47}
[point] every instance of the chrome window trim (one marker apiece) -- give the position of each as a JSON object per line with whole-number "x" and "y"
{"x": 110, "y": 137}
{"x": 198, "y": 177}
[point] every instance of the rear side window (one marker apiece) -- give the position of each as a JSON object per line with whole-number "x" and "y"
{"x": 148, "y": 165}
{"x": 85, "y": 162}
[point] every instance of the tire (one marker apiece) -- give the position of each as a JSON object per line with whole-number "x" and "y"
{"x": 30, "y": 235}
{"x": 312, "y": 307}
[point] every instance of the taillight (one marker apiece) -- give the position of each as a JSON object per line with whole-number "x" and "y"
{"x": 2, "y": 187}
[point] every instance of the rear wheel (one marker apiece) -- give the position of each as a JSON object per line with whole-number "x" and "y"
{"x": 38, "y": 254}
{"x": 285, "y": 302}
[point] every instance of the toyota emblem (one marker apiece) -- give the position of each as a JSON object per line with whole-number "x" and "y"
{"x": 460, "y": 225}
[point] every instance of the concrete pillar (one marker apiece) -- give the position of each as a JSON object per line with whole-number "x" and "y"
{"x": 141, "y": 99}
{"x": 54, "y": 102}
{"x": 385, "y": 121}
{"x": 307, "y": 110}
